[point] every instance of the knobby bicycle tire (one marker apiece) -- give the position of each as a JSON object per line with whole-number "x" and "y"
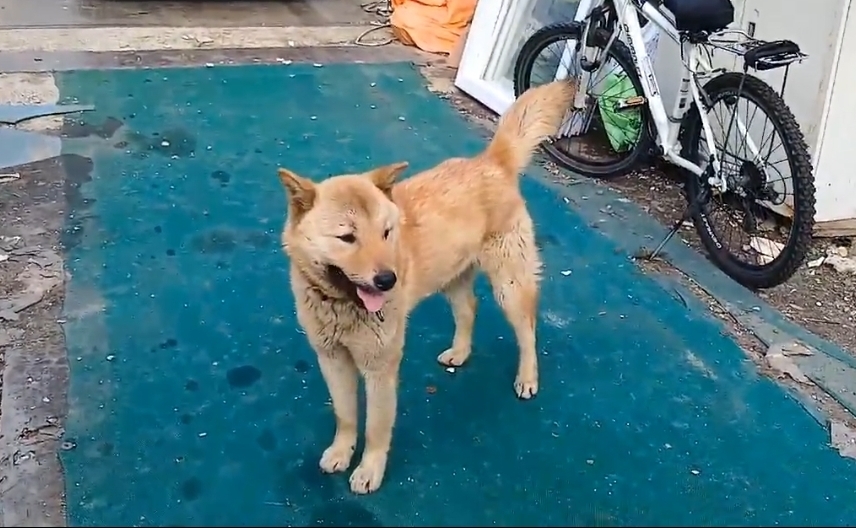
{"x": 796, "y": 249}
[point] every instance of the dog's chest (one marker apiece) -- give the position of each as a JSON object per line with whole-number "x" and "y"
{"x": 331, "y": 323}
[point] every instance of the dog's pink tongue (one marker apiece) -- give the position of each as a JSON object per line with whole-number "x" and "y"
{"x": 372, "y": 301}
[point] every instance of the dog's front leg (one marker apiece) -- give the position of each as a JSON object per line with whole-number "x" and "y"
{"x": 381, "y": 380}
{"x": 340, "y": 373}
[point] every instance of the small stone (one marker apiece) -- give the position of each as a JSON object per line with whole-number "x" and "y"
{"x": 450, "y": 370}
{"x": 694, "y": 471}
{"x": 164, "y": 143}
{"x": 816, "y": 262}
{"x": 110, "y": 357}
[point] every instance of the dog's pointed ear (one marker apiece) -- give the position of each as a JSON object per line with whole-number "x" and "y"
{"x": 301, "y": 192}
{"x": 384, "y": 177}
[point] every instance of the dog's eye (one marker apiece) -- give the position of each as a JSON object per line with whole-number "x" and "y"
{"x": 386, "y": 233}
{"x": 348, "y": 239}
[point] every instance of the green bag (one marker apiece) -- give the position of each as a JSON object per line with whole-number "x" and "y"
{"x": 622, "y": 127}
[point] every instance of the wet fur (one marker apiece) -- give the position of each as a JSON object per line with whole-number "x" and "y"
{"x": 436, "y": 230}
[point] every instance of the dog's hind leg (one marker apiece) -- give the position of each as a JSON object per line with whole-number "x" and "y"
{"x": 463, "y": 301}
{"x": 512, "y": 263}
{"x": 340, "y": 373}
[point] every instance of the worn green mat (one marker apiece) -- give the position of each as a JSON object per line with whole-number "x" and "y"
{"x": 195, "y": 399}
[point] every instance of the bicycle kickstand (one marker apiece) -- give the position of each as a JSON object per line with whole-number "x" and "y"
{"x": 691, "y": 210}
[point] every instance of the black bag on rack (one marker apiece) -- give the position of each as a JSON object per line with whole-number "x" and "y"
{"x": 701, "y": 15}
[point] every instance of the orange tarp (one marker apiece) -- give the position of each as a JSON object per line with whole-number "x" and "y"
{"x": 431, "y": 25}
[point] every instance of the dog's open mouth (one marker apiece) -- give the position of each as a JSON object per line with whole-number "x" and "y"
{"x": 372, "y": 298}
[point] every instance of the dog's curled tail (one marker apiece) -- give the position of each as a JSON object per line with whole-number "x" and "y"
{"x": 536, "y": 115}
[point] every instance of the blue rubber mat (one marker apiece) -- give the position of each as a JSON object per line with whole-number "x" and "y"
{"x": 195, "y": 399}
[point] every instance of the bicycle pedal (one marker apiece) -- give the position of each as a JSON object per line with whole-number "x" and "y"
{"x": 630, "y": 102}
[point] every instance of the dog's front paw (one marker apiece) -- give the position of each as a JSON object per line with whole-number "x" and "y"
{"x": 336, "y": 458}
{"x": 369, "y": 474}
{"x": 526, "y": 387}
{"x": 454, "y": 357}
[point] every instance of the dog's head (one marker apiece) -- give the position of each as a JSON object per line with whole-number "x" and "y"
{"x": 343, "y": 232}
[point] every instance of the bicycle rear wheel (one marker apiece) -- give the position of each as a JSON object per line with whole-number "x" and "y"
{"x": 773, "y": 212}
{"x": 601, "y": 141}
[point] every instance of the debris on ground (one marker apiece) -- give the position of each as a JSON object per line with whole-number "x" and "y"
{"x": 9, "y": 336}
{"x": 9, "y": 177}
{"x": 843, "y": 438}
{"x": 838, "y": 258}
{"x": 779, "y": 355}
{"x": 42, "y": 271}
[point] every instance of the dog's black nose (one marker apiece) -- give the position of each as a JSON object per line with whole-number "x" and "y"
{"x": 385, "y": 280}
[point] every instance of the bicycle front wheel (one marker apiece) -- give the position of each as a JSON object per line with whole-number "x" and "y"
{"x": 759, "y": 231}
{"x": 609, "y": 137}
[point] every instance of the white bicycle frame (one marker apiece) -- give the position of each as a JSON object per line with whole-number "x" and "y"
{"x": 668, "y": 126}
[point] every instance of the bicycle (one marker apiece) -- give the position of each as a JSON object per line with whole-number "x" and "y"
{"x": 738, "y": 182}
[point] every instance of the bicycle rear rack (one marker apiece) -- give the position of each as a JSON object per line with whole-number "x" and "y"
{"x": 758, "y": 55}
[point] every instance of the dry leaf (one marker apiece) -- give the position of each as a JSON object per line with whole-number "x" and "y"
{"x": 778, "y": 358}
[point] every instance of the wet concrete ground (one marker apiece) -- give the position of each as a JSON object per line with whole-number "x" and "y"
{"x": 88, "y": 13}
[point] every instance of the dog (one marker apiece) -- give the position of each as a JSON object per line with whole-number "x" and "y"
{"x": 364, "y": 250}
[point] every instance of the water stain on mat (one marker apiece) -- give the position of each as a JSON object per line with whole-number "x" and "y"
{"x": 168, "y": 343}
{"x": 191, "y": 488}
{"x": 267, "y": 440}
{"x": 78, "y": 171}
{"x": 105, "y": 448}
{"x": 243, "y": 376}
{"x": 221, "y": 176}
{"x": 343, "y": 513}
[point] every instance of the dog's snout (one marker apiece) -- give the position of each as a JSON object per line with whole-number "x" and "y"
{"x": 385, "y": 280}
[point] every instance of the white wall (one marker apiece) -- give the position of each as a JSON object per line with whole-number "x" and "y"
{"x": 835, "y": 169}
